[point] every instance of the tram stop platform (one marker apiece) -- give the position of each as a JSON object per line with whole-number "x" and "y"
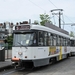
{"x": 5, "y": 64}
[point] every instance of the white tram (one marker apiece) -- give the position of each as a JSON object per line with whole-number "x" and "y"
{"x": 72, "y": 45}
{"x": 36, "y": 45}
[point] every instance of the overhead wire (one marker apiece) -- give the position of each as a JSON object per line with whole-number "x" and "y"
{"x": 53, "y": 4}
{"x": 63, "y": 18}
{"x": 36, "y": 5}
{"x": 54, "y": 19}
{"x": 69, "y": 19}
{"x": 57, "y": 8}
{"x": 45, "y": 10}
{"x": 42, "y": 8}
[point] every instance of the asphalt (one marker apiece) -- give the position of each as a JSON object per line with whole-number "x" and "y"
{"x": 5, "y": 64}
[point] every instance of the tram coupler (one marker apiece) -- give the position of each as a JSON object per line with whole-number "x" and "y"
{"x": 17, "y": 67}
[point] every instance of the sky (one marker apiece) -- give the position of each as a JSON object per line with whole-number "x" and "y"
{"x": 23, "y": 10}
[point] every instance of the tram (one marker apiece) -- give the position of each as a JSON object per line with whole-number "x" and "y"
{"x": 36, "y": 45}
{"x": 72, "y": 45}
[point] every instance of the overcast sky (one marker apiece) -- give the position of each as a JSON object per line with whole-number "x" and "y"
{"x": 21, "y": 10}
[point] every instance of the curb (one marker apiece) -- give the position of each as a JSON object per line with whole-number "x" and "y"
{"x": 6, "y": 67}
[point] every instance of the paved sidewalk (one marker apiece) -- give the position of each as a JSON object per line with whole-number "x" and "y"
{"x": 6, "y": 63}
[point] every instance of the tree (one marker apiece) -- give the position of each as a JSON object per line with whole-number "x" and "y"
{"x": 10, "y": 41}
{"x": 44, "y": 18}
{"x": 36, "y": 22}
{"x": 71, "y": 34}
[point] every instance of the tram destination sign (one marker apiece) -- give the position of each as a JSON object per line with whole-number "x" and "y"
{"x": 22, "y": 27}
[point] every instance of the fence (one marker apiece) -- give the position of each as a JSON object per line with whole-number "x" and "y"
{"x": 8, "y": 54}
{"x": 8, "y": 51}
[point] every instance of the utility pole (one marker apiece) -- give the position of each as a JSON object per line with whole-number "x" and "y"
{"x": 58, "y": 14}
{"x": 59, "y": 20}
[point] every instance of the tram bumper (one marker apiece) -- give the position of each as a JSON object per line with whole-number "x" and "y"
{"x": 19, "y": 63}
{"x": 15, "y": 60}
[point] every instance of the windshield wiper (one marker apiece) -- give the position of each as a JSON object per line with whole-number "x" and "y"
{"x": 22, "y": 45}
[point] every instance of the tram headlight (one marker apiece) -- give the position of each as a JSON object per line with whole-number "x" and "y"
{"x": 20, "y": 53}
{"x": 25, "y": 56}
{"x": 34, "y": 56}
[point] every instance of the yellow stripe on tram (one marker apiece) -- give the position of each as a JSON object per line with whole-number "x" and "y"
{"x": 60, "y": 54}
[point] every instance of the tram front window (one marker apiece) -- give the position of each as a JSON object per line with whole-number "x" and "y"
{"x": 25, "y": 39}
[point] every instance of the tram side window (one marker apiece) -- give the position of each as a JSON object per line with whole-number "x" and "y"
{"x": 68, "y": 42}
{"x": 40, "y": 38}
{"x": 45, "y": 38}
{"x": 72, "y": 42}
{"x": 58, "y": 41}
{"x": 54, "y": 40}
{"x": 64, "y": 42}
{"x": 33, "y": 40}
{"x": 49, "y": 39}
{"x": 61, "y": 41}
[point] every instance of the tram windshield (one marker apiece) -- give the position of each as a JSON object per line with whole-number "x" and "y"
{"x": 23, "y": 39}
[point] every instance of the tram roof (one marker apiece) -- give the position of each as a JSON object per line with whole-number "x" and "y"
{"x": 44, "y": 28}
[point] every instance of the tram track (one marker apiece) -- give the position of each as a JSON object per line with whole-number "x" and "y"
{"x": 21, "y": 71}
{"x": 7, "y": 72}
{"x": 51, "y": 69}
